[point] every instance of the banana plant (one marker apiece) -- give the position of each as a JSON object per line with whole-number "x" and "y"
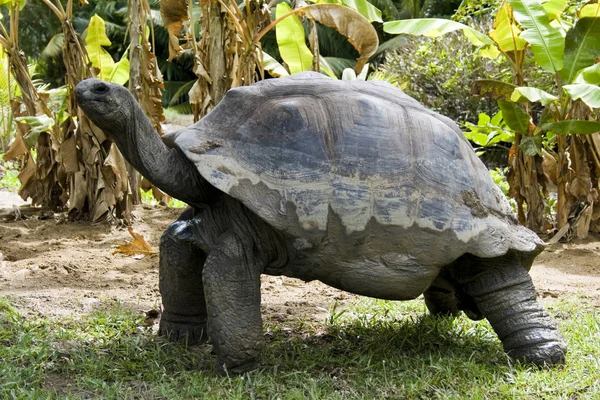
{"x": 351, "y": 18}
{"x": 108, "y": 69}
{"x": 569, "y": 54}
{"x": 228, "y": 52}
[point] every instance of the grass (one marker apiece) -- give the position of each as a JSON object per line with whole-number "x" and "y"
{"x": 370, "y": 350}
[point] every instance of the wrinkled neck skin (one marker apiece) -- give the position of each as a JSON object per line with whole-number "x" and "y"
{"x": 167, "y": 168}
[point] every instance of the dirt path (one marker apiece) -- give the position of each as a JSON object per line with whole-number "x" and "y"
{"x": 54, "y": 269}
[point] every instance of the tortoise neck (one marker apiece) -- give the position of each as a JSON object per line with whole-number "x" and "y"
{"x": 167, "y": 168}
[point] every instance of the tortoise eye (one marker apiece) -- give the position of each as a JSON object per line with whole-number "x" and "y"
{"x": 100, "y": 88}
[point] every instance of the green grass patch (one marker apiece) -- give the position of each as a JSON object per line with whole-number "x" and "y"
{"x": 370, "y": 350}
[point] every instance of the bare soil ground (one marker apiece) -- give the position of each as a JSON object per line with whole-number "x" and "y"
{"x": 54, "y": 269}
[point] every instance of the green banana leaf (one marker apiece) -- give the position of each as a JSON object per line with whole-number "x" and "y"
{"x": 364, "y": 8}
{"x": 515, "y": 117}
{"x": 94, "y": 40}
{"x": 119, "y": 72}
{"x": 506, "y": 32}
{"x": 589, "y": 94}
{"x": 582, "y": 46}
{"x": 589, "y": 75}
{"x": 546, "y": 41}
{"x": 554, "y": 8}
{"x": 532, "y": 94}
{"x": 434, "y": 27}
{"x": 271, "y": 65}
{"x": 291, "y": 41}
{"x": 568, "y": 127}
{"x": 590, "y": 10}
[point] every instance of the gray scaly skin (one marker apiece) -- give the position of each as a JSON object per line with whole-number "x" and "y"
{"x": 213, "y": 255}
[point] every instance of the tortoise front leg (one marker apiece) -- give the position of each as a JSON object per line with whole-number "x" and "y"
{"x": 504, "y": 293}
{"x": 232, "y": 288}
{"x": 180, "y": 282}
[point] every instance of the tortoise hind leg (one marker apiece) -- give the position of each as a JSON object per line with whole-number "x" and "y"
{"x": 444, "y": 298}
{"x": 440, "y": 301}
{"x": 180, "y": 281}
{"x": 504, "y": 292}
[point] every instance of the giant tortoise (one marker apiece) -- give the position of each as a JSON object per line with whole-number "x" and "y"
{"x": 351, "y": 183}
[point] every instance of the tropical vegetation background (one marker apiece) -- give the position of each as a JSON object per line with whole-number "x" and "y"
{"x": 520, "y": 76}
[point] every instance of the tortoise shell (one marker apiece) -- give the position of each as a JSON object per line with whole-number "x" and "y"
{"x": 304, "y": 150}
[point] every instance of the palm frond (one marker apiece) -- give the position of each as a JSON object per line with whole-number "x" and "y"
{"x": 54, "y": 47}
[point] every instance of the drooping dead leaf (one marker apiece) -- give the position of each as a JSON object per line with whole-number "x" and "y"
{"x": 68, "y": 155}
{"x": 174, "y": 13}
{"x": 351, "y": 24}
{"x": 117, "y": 164}
{"x": 17, "y": 148}
{"x": 138, "y": 246}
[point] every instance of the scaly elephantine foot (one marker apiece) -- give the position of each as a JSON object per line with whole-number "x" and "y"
{"x": 545, "y": 354}
{"x": 505, "y": 294}
{"x": 183, "y": 328}
{"x": 233, "y": 368}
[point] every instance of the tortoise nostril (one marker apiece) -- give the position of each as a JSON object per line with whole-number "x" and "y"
{"x": 100, "y": 88}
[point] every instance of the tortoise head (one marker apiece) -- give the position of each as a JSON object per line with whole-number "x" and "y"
{"x": 106, "y": 104}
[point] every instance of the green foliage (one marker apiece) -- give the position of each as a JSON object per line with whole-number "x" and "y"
{"x": 564, "y": 39}
{"x": 489, "y": 131}
{"x": 435, "y": 27}
{"x": 439, "y": 73}
{"x": 95, "y": 41}
{"x": 553, "y": 47}
{"x": 8, "y": 88}
{"x": 9, "y": 175}
{"x": 43, "y": 31}
{"x": 499, "y": 177}
{"x": 490, "y": 138}
{"x": 439, "y": 8}
{"x": 546, "y": 40}
{"x": 371, "y": 349}
{"x": 291, "y": 41}
{"x": 581, "y": 48}
{"x": 515, "y": 116}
